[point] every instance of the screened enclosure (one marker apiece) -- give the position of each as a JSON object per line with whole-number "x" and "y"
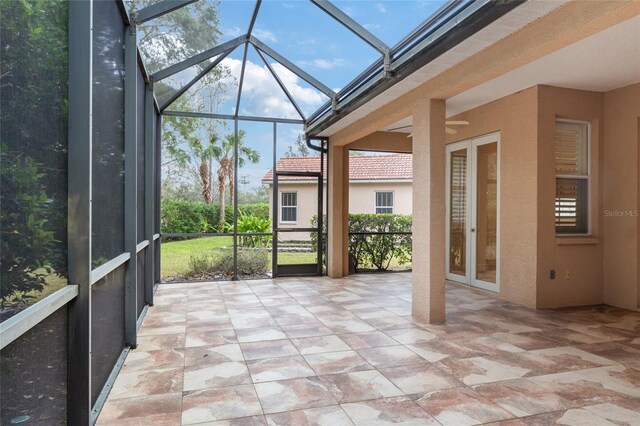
{"x": 131, "y": 155}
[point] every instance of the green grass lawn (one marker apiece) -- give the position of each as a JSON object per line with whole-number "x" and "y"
{"x": 175, "y": 255}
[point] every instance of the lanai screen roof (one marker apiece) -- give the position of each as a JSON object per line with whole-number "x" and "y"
{"x": 245, "y": 40}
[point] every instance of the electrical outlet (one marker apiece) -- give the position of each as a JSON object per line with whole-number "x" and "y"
{"x": 567, "y": 275}
{"x": 552, "y": 274}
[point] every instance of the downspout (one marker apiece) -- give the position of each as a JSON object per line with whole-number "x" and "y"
{"x": 317, "y": 148}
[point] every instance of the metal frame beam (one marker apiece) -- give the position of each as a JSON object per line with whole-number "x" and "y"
{"x": 231, "y": 117}
{"x": 345, "y": 20}
{"x": 244, "y": 65}
{"x": 201, "y": 57}
{"x": 280, "y": 83}
{"x": 159, "y": 9}
{"x": 236, "y": 163}
{"x": 79, "y": 210}
{"x": 292, "y": 67}
{"x": 256, "y": 9}
{"x": 149, "y": 191}
{"x": 158, "y": 196}
{"x": 197, "y": 78}
{"x": 130, "y": 184}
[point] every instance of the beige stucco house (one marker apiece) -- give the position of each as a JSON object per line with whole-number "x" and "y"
{"x": 533, "y": 192}
{"x": 377, "y": 184}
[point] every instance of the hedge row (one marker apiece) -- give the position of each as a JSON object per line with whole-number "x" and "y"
{"x": 181, "y": 217}
{"x": 377, "y": 251}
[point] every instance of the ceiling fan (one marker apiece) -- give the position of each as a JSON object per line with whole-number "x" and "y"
{"x": 449, "y": 130}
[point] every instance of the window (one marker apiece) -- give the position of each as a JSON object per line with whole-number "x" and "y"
{"x": 572, "y": 177}
{"x": 384, "y": 202}
{"x": 289, "y": 209}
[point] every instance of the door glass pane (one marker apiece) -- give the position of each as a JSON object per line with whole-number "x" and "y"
{"x": 458, "y": 213}
{"x": 487, "y": 218}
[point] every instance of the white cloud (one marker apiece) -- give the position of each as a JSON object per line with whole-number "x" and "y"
{"x": 381, "y": 8}
{"x": 324, "y": 64}
{"x": 262, "y": 96}
{"x": 234, "y": 31}
{"x": 265, "y": 35}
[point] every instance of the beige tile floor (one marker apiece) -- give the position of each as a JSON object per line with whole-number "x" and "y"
{"x": 317, "y": 351}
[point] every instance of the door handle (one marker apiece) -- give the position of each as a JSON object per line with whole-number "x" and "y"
{"x": 472, "y": 230}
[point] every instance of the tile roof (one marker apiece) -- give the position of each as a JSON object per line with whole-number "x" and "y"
{"x": 361, "y": 167}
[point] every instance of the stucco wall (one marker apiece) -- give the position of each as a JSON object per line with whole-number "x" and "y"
{"x": 362, "y": 196}
{"x": 621, "y": 192}
{"x": 602, "y": 267}
{"x": 576, "y": 261}
{"x": 361, "y": 200}
{"x": 307, "y": 207}
{"x": 514, "y": 117}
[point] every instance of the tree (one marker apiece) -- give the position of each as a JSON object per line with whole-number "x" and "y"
{"x": 184, "y": 141}
{"x": 178, "y": 35}
{"x": 300, "y": 149}
{"x": 171, "y": 38}
{"x": 224, "y": 154}
{"x": 33, "y": 140}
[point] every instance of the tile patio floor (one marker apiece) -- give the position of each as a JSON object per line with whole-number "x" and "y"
{"x": 340, "y": 352}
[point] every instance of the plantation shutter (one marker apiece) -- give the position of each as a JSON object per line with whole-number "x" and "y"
{"x": 384, "y": 202}
{"x": 572, "y": 177}
{"x": 289, "y": 203}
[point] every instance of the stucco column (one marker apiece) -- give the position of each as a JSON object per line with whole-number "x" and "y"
{"x": 338, "y": 214}
{"x": 428, "y": 285}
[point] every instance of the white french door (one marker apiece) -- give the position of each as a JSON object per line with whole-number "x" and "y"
{"x": 473, "y": 212}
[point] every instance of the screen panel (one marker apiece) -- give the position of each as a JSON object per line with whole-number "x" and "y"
{"x": 33, "y": 152}
{"x": 140, "y": 154}
{"x": 107, "y": 327}
{"x": 33, "y": 372}
{"x": 141, "y": 280}
{"x": 108, "y": 133}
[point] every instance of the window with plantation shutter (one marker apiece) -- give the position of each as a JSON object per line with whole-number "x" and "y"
{"x": 572, "y": 177}
{"x": 384, "y": 202}
{"x": 289, "y": 207}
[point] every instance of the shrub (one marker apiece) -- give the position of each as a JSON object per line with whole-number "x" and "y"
{"x": 199, "y": 264}
{"x": 258, "y": 209}
{"x": 249, "y": 223}
{"x": 183, "y": 217}
{"x": 250, "y": 262}
{"x": 368, "y": 250}
{"x": 253, "y": 261}
{"x": 27, "y": 244}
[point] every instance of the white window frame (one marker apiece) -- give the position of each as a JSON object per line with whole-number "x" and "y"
{"x": 282, "y": 207}
{"x": 586, "y": 177}
{"x": 393, "y": 202}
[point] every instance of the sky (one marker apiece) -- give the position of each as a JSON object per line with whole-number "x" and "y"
{"x": 314, "y": 41}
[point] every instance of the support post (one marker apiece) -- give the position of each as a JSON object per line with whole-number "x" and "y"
{"x": 428, "y": 277}
{"x": 130, "y": 185}
{"x": 236, "y": 162}
{"x": 338, "y": 213}
{"x": 274, "y": 205}
{"x": 79, "y": 211}
{"x": 149, "y": 190}
{"x": 158, "y": 196}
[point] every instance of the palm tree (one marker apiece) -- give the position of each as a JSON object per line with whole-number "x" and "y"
{"x": 224, "y": 154}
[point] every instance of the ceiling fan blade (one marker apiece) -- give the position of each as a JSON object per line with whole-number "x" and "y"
{"x": 450, "y": 131}
{"x": 457, "y": 123}
{"x": 400, "y": 128}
